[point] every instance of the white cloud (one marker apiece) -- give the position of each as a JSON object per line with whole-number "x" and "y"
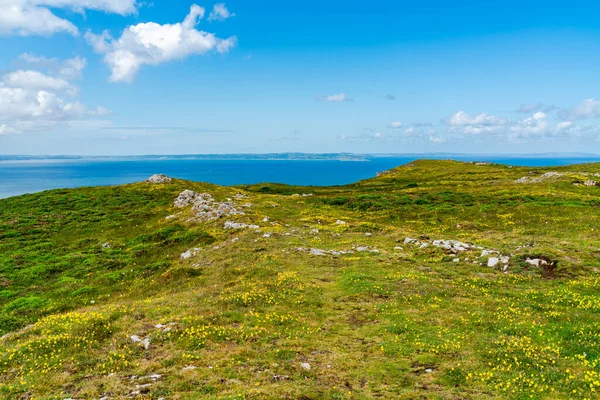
{"x": 36, "y": 80}
{"x": 336, "y": 98}
{"x": 437, "y": 139}
{"x": 395, "y": 125}
{"x": 536, "y": 126}
{"x": 465, "y": 124}
{"x": 31, "y": 100}
{"x": 66, "y": 69}
{"x": 33, "y": 17}
{"x": 220, "y": 13}
{"x": 151, "y": 44}
{"x": 379, "y": 135}
{"x": 564, "y": 125}
{"x": 588, "y": 108}
{"x": 461, "y": 118}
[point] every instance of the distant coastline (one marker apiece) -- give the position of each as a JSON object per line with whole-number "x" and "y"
{"x": 353, "y": 157}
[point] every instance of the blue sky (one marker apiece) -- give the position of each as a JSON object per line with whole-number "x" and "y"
{"x": 183, "y": 77}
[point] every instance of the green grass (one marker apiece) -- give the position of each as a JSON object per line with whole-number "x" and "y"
{"x": 83, "y": 270}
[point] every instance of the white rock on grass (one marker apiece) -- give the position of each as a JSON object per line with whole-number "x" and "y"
{"x": 239, "y": 225}
{"x": 305, "y": 366}
{"x": 159, "y": 178}
{"x": 142, "y": 342}
{"x": 340, "y": 222}
{"x": 492, "y": 262}
{"x": 536, "y": 262}
{"x": 190, "y": 253}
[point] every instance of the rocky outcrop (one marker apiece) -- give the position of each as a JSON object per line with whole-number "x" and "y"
{"x": 204, "y": 206}
{"x": 159, "y": 178}
{"x": 548, "y": 176}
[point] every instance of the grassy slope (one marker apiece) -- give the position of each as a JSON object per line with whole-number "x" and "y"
{"x": 406, "y": 323}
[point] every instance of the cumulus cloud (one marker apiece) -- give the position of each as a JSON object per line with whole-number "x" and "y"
{"x": 34, "y": 17}
{"x": 395, "y": 125}
{"x": 32, "y": 100}
{"x": 335, "y": 98}
{"x": 152, "y": 44}
{"x": 220, "y": 13}
{"x": 588, "y": 108}
{"x": 461, "y": 118}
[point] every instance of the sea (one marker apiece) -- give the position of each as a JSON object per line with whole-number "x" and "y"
{"x": 21, "y": 176}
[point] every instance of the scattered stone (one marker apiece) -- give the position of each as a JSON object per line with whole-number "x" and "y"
{"x": 142, "y": 342}
{"x": 340, "y": 222}
{"x": 168, "y": 217}
{"x": 545, "y": 177}
{"x": 159, "y": 178}
{"x": 153, "y": 377}
{"x": 428, "y": 370}
{"x": 590, "y": 183}
{"x": 165, "y": 328}
{"x": 320, "y": 252}
{"x": 492, "y": 262}
{"x": 423, "y": 245}
{"x": 536, "y": 262}
{"x": 305, "y": 366}
{"x": 398, "y": 248}
{"x": 455, "y": 260}
{"x": 366, "y": 248}
{"x": 410, "y": 241}
{"x": 239, "y": 225}
{"x": 267, "y": 235}
{"x": 266, "y": 219}
{"x": 314, "y": 232}
{"x": 454, "y": 245}
{"x": 239, "y": 196}
{"x": 190, "y": 253}
{"x": 189, "y": 368}
{"x": 106, "y": 245}
{"x": 280, "y": 377}
{"x": 368, "y": 234}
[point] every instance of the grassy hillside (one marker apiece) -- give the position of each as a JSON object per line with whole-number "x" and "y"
{"x": 326, "y": 300}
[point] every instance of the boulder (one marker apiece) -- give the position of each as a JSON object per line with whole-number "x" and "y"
{"x": 159, "y": 178}
{"x": 492, "y": 262}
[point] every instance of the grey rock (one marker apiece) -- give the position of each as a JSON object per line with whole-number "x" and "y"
{"x": 305, "y": 366}
{"x": 239, "y": 225}
{"x": 492, "y": 262}
{"x": 159, "y": 178}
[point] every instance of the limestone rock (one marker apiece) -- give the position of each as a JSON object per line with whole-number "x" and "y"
{"x": 159, "y": 178}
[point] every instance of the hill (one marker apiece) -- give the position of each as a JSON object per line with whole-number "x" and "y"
{"x": 434, "y": 280}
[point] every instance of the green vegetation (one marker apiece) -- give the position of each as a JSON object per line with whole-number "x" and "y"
{"x": 325, "y": 301}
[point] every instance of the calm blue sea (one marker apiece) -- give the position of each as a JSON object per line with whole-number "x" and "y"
{"x": 20, "y": 177}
